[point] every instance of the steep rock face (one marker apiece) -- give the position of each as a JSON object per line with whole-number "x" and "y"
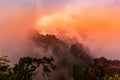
{"x": 60, "y": 52}
{"x": 50, "y": 41}
{"x": 80, "y": 53}
{"x": 59, "y": 49}
{"x": 64, "y": 55}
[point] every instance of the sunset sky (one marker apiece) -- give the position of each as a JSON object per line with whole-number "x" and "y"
{"x": 93, "y": 22}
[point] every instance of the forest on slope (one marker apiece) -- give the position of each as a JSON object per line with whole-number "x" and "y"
{"x": 64, "y": 62}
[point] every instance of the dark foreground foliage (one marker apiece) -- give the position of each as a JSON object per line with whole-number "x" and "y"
{"x": 24, "y": 69}
{"x": 100, "y": 69}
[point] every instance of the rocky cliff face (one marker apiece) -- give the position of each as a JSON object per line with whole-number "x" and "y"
{"x": 64, "y": 55}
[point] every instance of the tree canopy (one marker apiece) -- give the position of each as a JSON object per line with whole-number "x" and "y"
{"x": 24, "y": 69}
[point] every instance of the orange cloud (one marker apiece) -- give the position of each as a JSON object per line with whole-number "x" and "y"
{"x": 95, "y": 26}
{"x": 74, "y": 21}
{"x": 100, "y": 26}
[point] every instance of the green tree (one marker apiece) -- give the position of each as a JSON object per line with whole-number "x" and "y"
{"x": 6, "y": 72}
{"x": 26, "y": 66}
{"x": 78, "y": 71}
{"x": 96, "y": 71}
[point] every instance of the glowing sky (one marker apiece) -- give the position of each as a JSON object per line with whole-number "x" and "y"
{"x": 94, "y": 22}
